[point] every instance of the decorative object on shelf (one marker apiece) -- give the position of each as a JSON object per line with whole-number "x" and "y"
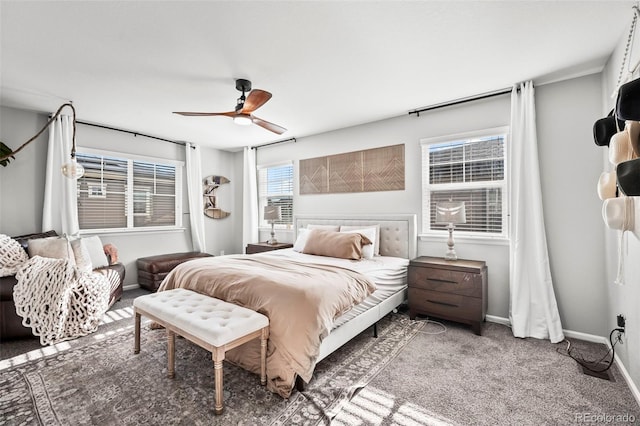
{"x": 72, "y": 169}
{"x": 450, "y": 213}
{"x": 209, "y": 186}
{"x": 272, "y": 214}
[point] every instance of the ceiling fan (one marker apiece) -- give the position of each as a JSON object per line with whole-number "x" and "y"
{"x": 245, "y": 106}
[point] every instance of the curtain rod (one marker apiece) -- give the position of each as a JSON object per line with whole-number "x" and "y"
{"x": 461, "y": 101}
{"x": 132, "y": 132}
{"x": 274, "y": 143}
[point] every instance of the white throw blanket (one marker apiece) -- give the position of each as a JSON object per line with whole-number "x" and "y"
{"x": 57, "y": 301}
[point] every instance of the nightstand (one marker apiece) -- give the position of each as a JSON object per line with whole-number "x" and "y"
{"x": 260, "y": 247}
{"x": 455, "y": 290}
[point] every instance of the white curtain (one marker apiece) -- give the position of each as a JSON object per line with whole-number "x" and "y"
{"x": 250, "y": 198}
{"x": 533, "y": 310}
{"x": 60, "y": 211}
{"x": 195, "y": 196}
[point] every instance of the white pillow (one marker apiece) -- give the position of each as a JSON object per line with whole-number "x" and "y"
{"x": 96, "y": 252}
{"x": 301, "y": 240}
{"x": 370, "y": 233}
{"x": 12, "y": 256}
{"x": 52, "y": 247}
{"x": 375, "y": 241}
{"x": 334, "y": 228}
{"x": 82, "y": 256}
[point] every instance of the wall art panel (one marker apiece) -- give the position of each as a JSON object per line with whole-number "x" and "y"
{"x": 376, "y": 169}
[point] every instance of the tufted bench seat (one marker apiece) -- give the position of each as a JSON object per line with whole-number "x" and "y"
{"x": 210, "y": 323}
{"x": 153, "y": 269}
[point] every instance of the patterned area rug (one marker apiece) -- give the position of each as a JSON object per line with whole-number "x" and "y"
{"x": 104, "y": 383}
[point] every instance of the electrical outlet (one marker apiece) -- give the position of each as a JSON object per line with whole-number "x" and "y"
{"x": 621, "y": 320}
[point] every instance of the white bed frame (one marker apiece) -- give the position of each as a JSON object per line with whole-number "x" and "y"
{"x": 398, "y": 238}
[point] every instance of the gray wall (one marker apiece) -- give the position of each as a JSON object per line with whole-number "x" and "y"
{"x": 570, "y": 167}
{"x": 22, "y": 181}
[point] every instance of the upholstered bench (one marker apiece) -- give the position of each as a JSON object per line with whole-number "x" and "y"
{"x": 153, "y": 269}
{"x": 213, "y": 324}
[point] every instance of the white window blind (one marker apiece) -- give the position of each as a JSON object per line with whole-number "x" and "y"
{"x": 275, "y": 188}
{"x": 120, "y": 193}
{"x": 469, "y": 168}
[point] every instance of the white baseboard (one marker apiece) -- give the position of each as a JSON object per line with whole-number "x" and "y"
{"x": 627, "y": 378}
{"x": 130, "y": 287}
{"x": 589, "y": 338}
{"x": 499, "y": 320}
{"x": 585, "y": 336}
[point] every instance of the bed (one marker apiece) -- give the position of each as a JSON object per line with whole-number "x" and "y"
{"x": 314, "y": 315}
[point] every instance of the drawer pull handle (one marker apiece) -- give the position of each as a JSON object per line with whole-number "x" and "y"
{"x": 442, "y": 303}
{"x": 435, "y": 280}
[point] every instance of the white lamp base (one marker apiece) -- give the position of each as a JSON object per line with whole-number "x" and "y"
{"x": 451, "y": 253}
{"x": 273, "y": 240}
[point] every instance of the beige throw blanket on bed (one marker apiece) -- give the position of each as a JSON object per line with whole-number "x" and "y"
{"x": 300, "y": 300}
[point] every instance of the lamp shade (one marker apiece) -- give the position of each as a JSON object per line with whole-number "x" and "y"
{"x": 272, "y": 213}
{"x": 450, "y": 212}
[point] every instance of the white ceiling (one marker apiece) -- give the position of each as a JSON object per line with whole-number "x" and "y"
{"x": 329, "y": 64}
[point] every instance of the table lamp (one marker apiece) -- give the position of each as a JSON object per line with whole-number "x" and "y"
{"x": 271, "y": 214}
{"x": 450, "y": 213}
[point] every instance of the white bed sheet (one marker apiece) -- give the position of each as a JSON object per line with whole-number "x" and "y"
{"x": 389, "y": 274}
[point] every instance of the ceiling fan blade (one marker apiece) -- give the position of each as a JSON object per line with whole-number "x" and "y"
{"x": 255, "y": 100}
{"x": 205, "y": 114}
{"x": 269, "y": 126}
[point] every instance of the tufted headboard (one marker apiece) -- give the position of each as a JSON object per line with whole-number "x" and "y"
{"x": 398, "y": 232}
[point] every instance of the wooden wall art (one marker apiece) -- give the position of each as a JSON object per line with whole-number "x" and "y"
{"x": 209, "y": 186}
{"x": 377, "y": 169}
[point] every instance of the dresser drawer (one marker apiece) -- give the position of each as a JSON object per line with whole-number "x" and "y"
{"x": 445, "y": 305}
{"x": 455, "y": 282}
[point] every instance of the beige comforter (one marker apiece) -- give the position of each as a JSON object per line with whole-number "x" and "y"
{"x": 300, "y": 300}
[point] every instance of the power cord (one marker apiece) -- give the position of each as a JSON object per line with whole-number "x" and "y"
{"x": 588, "y": 364}
{"x": 428, "y": 321}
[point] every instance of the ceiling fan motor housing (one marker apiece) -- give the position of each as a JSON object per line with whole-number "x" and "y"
{"x": 243, "y": 85}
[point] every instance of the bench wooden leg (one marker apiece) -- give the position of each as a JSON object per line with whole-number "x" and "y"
{"x": 171, "y": 353}
{"x": 218, "y": 357}
{"x": 263, "y": 355}
{"x": 136, "y": 342}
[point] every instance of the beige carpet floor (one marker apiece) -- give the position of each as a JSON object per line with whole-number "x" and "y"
{"x": 442, "y": 374}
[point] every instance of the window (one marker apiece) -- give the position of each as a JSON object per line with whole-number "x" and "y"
{"x": 120, "y": 192}
{"x": 275, "y": 188}
{"x": 469, "y": 168}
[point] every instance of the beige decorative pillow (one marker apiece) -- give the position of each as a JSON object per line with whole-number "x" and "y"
{"x": 12, "y": 256}
{"x": 335, "y": 244}
{"x": 370, "y": 233}
{"x": 52, "y": 247}
{"x": 375, "y": 241}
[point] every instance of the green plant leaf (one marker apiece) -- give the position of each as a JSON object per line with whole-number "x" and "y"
{"x": 5, "y": 151}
